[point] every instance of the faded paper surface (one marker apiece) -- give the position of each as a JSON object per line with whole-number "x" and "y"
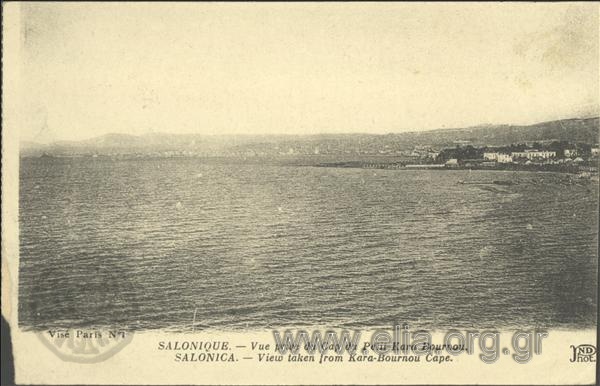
{"x": 206, "y": 174}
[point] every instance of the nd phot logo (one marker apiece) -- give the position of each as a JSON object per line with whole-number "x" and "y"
{"x": 583, "y": 353}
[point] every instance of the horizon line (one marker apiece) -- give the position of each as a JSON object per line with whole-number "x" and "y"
{"x": 478, "y": 126}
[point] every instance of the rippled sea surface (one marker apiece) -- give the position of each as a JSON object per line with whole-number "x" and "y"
{"x": 146, "y": 244}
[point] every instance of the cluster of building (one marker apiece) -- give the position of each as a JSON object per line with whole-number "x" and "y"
{"x": 423, "y": 152}
{"x": 539, "y": 156}
{"x": 529, "y": 154}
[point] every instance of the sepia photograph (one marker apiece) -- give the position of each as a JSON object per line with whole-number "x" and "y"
{"x": 301, "y": 193}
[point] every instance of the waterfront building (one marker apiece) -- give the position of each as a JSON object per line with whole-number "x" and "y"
{"x": 490, "y": 156}
{"x": 533, "y": 154}
{"x": 500, "y": 157}
{"x": 504, "y": 158}
{"x": 519, "y": 154}
{"x": 571, "y": 153}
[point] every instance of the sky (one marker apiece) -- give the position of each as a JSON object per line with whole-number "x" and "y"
{"x": 88, "y": 69}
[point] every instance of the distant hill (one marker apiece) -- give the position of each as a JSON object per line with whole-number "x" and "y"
{"x": 572, "y": 130}
{"x": 585, "y": 130}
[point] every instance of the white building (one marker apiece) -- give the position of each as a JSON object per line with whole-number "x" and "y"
{"x": 595, "y": 151}
{"x": 533, "y": 154}
{"x": 518, "y": 154}
{"x": 490, "y": 156}
{"x": 504, "y": 158}
{"x": 544, "y": 154}
{"x": 571, "y": 153}
{"x": 500, "y": 157}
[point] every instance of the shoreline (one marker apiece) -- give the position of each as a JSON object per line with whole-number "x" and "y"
{"x": 587, "y": 171}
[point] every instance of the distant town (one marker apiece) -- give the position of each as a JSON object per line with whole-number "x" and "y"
{"x": 569, "y": 146}
{"x": 560, "y": 156}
